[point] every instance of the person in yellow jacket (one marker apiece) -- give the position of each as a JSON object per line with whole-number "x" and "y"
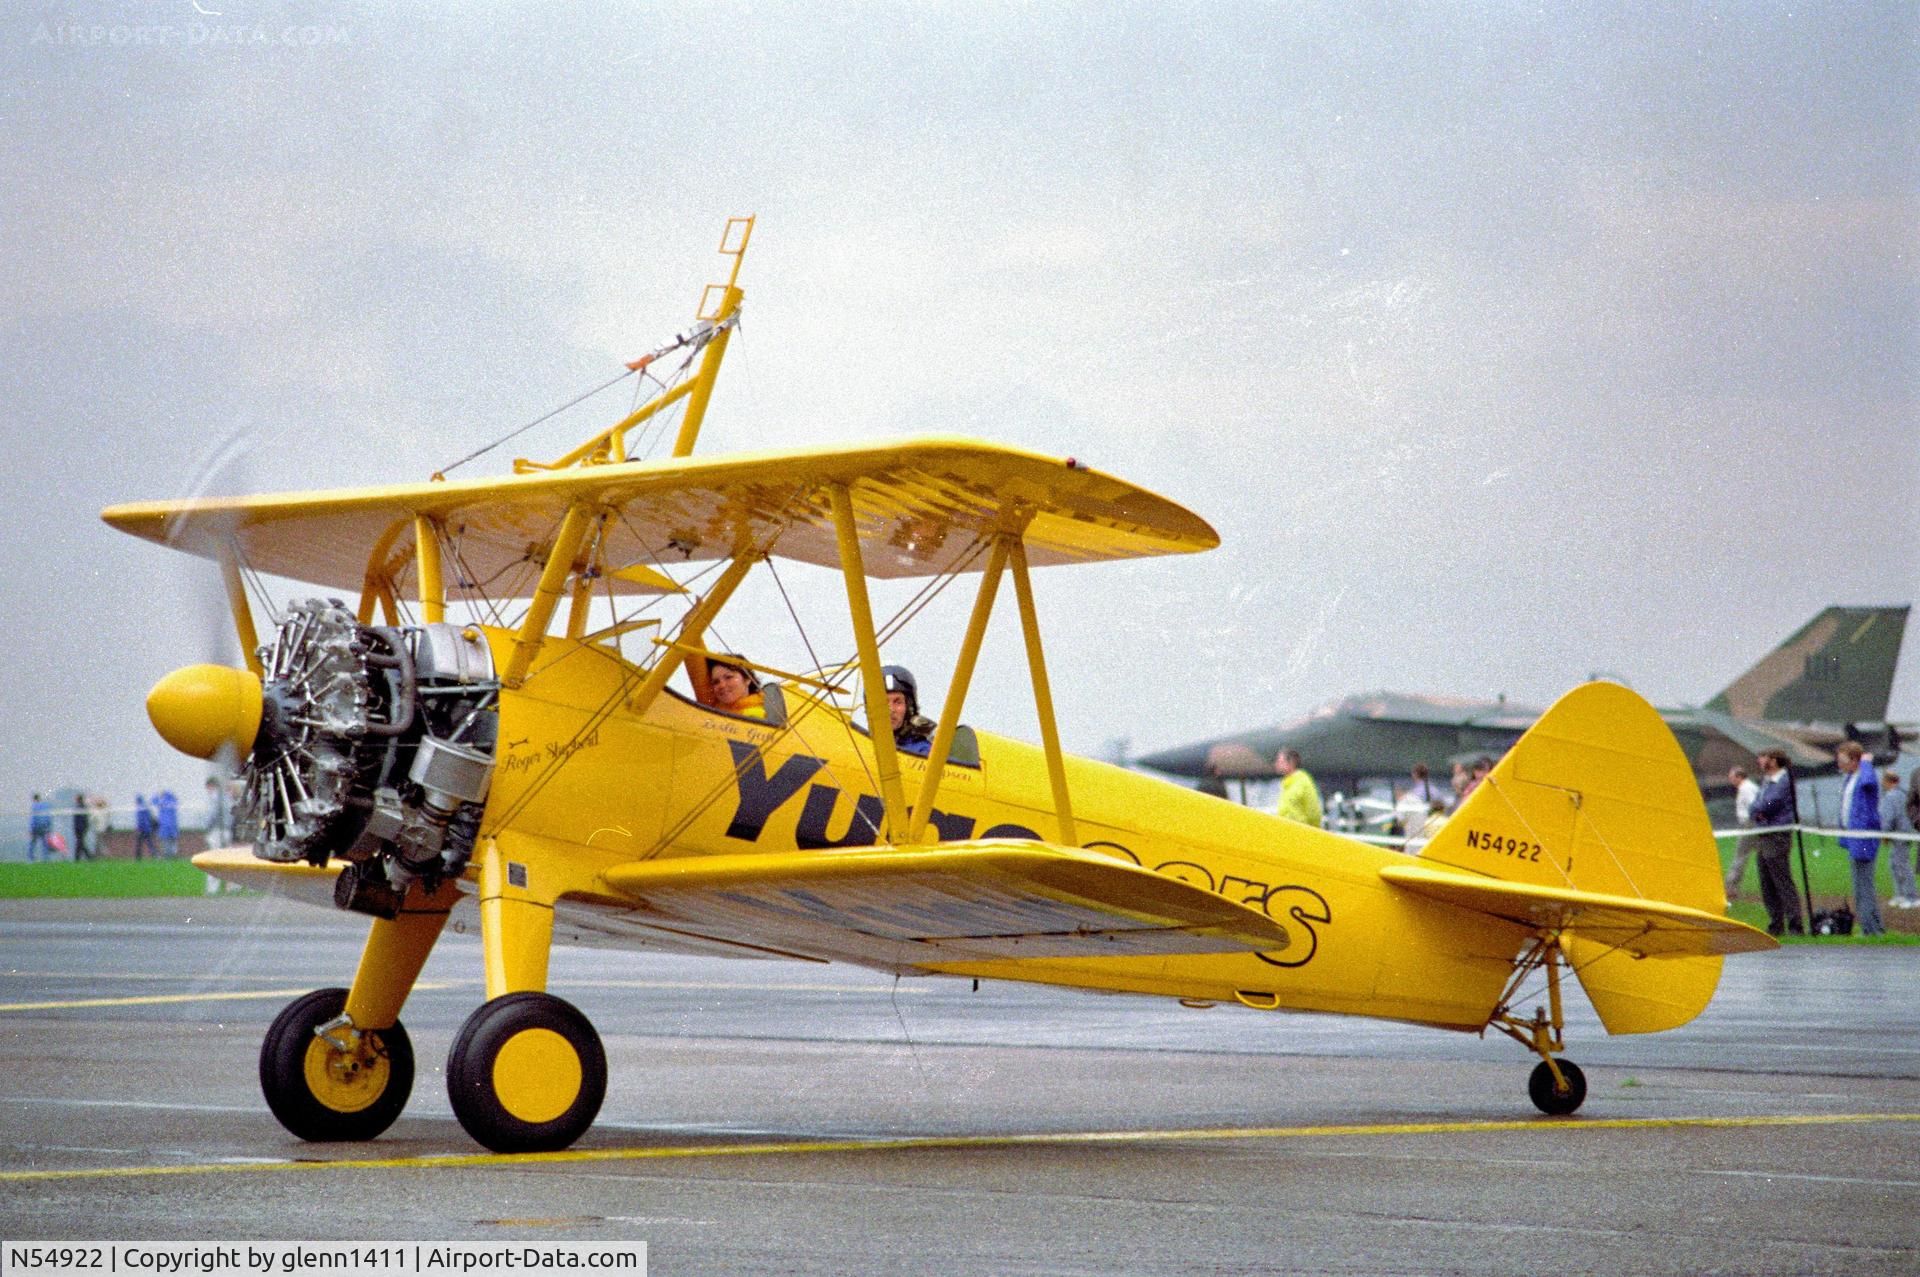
{"x": 1299, "y": 796}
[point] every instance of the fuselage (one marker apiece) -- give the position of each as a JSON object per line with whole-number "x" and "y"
{"x": 576, "y": 766}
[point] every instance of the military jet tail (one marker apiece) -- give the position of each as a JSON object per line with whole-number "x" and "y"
{"x": 1837, "y": 668}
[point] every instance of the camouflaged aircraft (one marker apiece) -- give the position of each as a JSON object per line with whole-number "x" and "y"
{"x": 545, "y": 780}
{"x": 1828, "y": 683}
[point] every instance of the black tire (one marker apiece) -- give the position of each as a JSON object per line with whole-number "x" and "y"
{"x": 1551, "y": 1100}
{"x": 542, "y": 1052}
{"x": 322, "y": 1094}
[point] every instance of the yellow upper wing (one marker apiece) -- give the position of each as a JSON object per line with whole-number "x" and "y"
{"x": 920, "y": 506}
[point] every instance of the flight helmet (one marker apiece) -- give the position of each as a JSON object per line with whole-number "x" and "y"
{"x": 900, "y": 679}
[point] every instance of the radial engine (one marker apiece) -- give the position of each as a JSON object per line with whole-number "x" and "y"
{"x": 376, "y": 746}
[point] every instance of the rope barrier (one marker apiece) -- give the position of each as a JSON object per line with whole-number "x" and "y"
{"x": 1884, "y": 835}
{"x": 1396, "y": 842}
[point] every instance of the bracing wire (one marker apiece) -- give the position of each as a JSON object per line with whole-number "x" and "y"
{"x": 1532, "y": 991}
{"x": 634, "y": 675}
{"x": 547, "y": 416}
{"x": 258, "y": 588}
{"x": 812, "y": 655}
{"x": 899, "y": 620}
{"x": 913, "y": 1051}
{"x": 656, "y": 430}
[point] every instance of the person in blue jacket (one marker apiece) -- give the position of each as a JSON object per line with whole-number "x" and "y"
{"x": 40, "y": 825}
{"x": 1860, "y": 809}
{"x": 166, "y": 814}
{"x": 1775, "y": 807}
{"x": 143, "y": 844}
{"x": 912, "y": 733}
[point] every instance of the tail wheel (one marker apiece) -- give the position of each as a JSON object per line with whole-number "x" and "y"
{"x": 1552, "y": 1098}
{"x": 526, "y": 1074}
{"x": 348, "y": 1085}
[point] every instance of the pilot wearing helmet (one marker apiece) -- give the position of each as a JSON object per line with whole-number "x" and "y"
{"x": 912, "y": 734}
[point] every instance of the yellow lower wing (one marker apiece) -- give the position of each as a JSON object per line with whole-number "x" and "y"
{"x": 297, "y": 881}
{"x": 894, "y": 908}
{"x": 1641, "y": 928}
{"x": 880, "y": 906}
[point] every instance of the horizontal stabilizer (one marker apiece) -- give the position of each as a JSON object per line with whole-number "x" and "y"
{"x": 898, "y": 907}
{"x": 1643, "y": 928}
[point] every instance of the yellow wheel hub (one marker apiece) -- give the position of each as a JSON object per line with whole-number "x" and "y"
{"x": 346, "y": 1081}
{"x": 537, "y": 1075}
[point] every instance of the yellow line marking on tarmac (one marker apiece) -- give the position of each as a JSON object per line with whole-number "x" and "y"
{"x": 1535, "y": 1126}
{"x": 159, "y": 998}
{"x": 696, "y": 986}
{"x": 743, "y": 986}
{"x": 111, "y": 977}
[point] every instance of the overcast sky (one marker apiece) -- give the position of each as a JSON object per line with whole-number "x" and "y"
{"x": 1500, "y": 344}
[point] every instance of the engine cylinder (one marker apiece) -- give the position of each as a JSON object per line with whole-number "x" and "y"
{"x": 375, "y": 745}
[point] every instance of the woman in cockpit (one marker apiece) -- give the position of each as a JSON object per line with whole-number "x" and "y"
{"x": 733, "y": 688}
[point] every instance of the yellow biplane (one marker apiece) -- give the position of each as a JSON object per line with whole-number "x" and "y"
{"x": 449, "y": 745}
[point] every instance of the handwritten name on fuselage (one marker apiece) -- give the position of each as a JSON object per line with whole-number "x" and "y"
{"x": 758, "y": 794}
{"x": 553, "y": 752}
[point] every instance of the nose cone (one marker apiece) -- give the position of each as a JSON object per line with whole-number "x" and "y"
{"x": 202, "y": 707}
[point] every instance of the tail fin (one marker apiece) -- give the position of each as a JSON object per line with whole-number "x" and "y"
{"x": 1837, "y": 668}
{"x": 1598, "y": 803}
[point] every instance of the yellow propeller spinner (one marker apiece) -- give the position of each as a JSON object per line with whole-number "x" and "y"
{"x": 201, "y": 708}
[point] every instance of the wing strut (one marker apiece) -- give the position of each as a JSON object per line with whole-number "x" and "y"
{"x": 697, "y": 619}
{"x": 546, "y": 595}
{"x": 874, "y": 683}
{"x": 1043, "y": 696}
{"x": 383, "y": 564}
{"x": 242, "y": 612}
{"x": 1008, "y": 547}
{"x": 957, "y": 691}
{"x": 426, "y": 553}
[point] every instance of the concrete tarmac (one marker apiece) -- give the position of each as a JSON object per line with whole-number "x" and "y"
{"x": 795, "y": 1118}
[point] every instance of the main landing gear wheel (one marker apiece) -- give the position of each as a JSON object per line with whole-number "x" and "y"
{"x": 1553, "y": 1100}
{"x": 526, "y": 1074}
{"x": 343, "y": 1085}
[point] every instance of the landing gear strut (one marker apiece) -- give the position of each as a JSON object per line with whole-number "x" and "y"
{"x": 1557, "y": 1087}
